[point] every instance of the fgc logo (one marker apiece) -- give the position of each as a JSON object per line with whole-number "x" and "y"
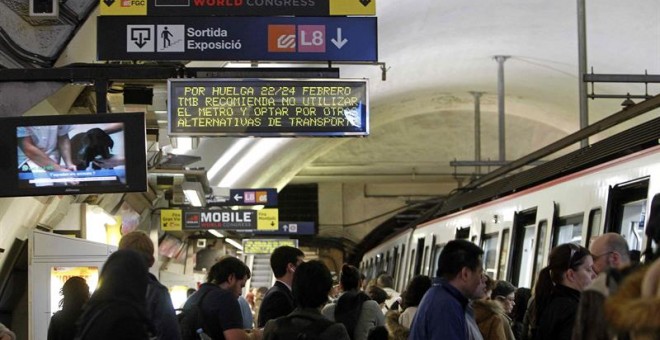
{"x": 131, "y": 3}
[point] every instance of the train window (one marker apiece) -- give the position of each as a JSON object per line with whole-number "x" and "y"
{"x": 504, "y": 253}
{"x": 625, "y": 209}
{"x": 568, "y": 230}
{"x": 418, "y": 258}
{"x": 436, "y": 259}
{"x": 489, "y": 246}
{"x": 395, "y": 260}
{"x": 521, "y": 261}
{"x": 539, "y": 252}
{"x": 462, "y": 233}
{"x": 402, "y": 265}
{"x": 411, "y": 273}
{"x": 425, "y": 261}
{"x": 594, "y": 224}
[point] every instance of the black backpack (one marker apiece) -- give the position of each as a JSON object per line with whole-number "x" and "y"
{"x": 191, "y": 320}
{"x": 286, "y": 330}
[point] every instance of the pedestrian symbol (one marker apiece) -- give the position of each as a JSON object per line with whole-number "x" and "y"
{"x": 171, "y": 38}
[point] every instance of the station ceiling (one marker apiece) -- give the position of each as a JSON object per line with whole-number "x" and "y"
{"x": 432, "y": 55}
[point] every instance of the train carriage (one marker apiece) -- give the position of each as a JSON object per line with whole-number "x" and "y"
{"x": 610, "y": 186}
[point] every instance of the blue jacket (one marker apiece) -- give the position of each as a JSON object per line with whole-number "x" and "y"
{"x": 441, "y": 314}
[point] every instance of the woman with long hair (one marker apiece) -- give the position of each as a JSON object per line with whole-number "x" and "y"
{"x": 557, "y": 292}
{"x": 75, "y": 293}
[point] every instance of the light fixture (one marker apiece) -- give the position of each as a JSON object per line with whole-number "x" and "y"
{"x": 235, "y": 244}
{"x": 216, "y": 233}
{"x": 628, "y": 102}
{"x": 184, "y": 143}
{"x": 194, "y": 193}
{"x": 103, "y": 216}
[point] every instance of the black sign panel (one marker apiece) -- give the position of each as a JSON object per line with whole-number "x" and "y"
{"x": 268, "y": 107}
{"x": 237, "y": 38}
{"x": 263, "y": 196}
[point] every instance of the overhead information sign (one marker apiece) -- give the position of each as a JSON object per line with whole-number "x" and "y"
{"x": 286, "y": 228}
{"x": 266, "y": 246}
{"x": 237, "y": 38}
{"x": 264, "y": 196}
{"x": 264, "y": 219}
{"x": 268, "y": 107}
{"x": 171, "y": 219}
{"x": 238, "y": 7}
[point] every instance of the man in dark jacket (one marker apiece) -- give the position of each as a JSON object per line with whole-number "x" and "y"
{"x": 159, "y": 304}
{"x": 278, "y": 301}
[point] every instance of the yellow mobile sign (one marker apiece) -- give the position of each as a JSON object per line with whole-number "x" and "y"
{"x": 266, "y": 246}
{"x": 318, "y": 8}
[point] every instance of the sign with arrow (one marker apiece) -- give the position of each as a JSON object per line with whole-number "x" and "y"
{"x": 237, "y": 38}
{"x": 264, "y": 196}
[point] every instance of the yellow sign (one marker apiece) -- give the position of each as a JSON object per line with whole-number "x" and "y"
{"x": 123, "y": 7}
{"x": 171, "y": 220}
{"x": 268, "y": 219}
{"x": 352, "y": 7}
{"x": 259, "y": 246}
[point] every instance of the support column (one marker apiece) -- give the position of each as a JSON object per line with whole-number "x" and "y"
{"x": 477, "y": 129}
{"x": 582, "y": 68}
{"x": 500, "y": 104}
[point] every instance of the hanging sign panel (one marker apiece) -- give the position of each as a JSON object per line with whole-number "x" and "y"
{"x": 268, "y": 107}
{"x": 238, "y": 7}
{"x": 237, "y": 38}
{"x": 266, "y": 246}
{"x": 264, "y": 219}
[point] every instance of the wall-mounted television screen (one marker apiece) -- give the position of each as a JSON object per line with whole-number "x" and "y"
{"x": 72, "y": 154}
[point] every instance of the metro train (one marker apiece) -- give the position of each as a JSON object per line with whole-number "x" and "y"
{"x": 611, "y": 186}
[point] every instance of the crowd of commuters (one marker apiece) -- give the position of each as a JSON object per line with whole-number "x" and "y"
{"x": 596, "y": 293}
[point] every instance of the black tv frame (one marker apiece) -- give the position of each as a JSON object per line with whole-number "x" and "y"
{"x": 134, "y": 153}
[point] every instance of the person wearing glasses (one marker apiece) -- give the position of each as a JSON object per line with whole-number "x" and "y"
{"x": 611, "y": 263}
{"x": 490, "y": 316}
{"x": 557, "y": 292}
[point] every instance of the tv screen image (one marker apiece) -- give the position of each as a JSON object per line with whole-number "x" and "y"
{"x": 73, "y": 154}
{"x": 80, "y": 154}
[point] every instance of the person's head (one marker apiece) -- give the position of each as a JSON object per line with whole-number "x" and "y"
{"x": 349, "y": 278}
{"x": 377, "y": 294}
{"x": 311, "y": 284}
{"x": 75, "y": 293}
{"x": 486, "y": 287}
{"x": 505, "y": 294}
{"x": 609, "y": 250}
{"x": 415, "y": 290}
{"x": 569, "y": 265}
{"x": 140, "y": 242}
{"x": 460, "y": 264}
{"x": 124, "y": 275}
{"x": 284, "y": 260}
{"x": 229, "y": 273}
{"x": 385, "y": 281}
{"x": 522, "y": 298}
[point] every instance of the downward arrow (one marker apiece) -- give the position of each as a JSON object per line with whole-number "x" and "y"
{"x": 109, "y": 2}
{"x": 140, "y": 42}
{"x": 365, "y": 3}
{"x": 339, "y": 42}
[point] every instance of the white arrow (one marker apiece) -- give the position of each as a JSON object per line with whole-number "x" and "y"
{"x": 339, "y": 42}
{"x": 237, "y": 198}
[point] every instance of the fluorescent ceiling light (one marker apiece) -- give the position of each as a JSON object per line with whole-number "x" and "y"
{"x": 227, "y": 156}
{"x": 234, "y": 243}
{"x": 194, "y": 193}
{"x": 250, "y": 159}
{"x": 216, "y": 233}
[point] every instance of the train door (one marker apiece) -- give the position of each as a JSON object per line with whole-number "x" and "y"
{"x": 489, "y": 246}
{"x": 566, "y": 229}
{"x": 521, "y": 261}
{"x": 626, "y": 211}
{"x": 504, "y": 254}
{"x": 436, "y": 258}
{"x": 418, "y": 258}
{"x": 539, "y": 249}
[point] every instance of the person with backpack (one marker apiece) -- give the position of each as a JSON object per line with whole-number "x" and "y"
{"x": 117, "y": 309}
{"x": 310, "y": 287}
{"x": 354, "y": 309}
{"x": 214, "y": 309}
{"x": 159, "y": 304}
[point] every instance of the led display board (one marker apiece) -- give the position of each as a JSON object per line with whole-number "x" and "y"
{"x": 266, "y": 246}
{"x": 268, "y": 107}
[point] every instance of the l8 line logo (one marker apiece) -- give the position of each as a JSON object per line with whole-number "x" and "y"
{"x": 296, "y": 38}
